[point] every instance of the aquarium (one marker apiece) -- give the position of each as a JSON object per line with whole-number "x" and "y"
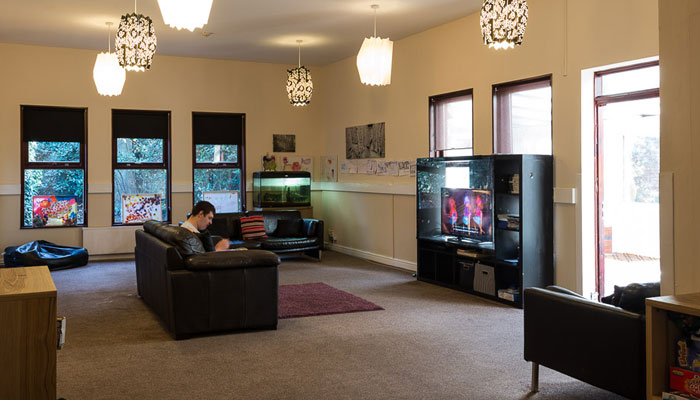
{"x": 454, "y": 196}
{"x": 281, "y": 189}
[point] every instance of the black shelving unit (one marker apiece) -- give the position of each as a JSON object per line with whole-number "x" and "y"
{"x": 520, "y": 255}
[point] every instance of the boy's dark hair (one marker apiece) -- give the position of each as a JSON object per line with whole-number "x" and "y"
{"x": 204, "y": 206}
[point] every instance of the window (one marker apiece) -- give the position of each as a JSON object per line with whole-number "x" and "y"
{"x": 53, "y": 166}
{"x": 451, "y": 132}
{"x": 522, "y": 117}
{"x": 218, "y": 160}
{"x": 141, "y": 166}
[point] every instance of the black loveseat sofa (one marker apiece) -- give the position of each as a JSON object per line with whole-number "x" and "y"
{"x": 597, "y": 343}
{"x": 298, "y": 234}
{"x": 196, "y": 292}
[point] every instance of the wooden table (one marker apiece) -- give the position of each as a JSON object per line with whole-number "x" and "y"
{"x": 661, "y": 337}
{"x": 28, "y": 332}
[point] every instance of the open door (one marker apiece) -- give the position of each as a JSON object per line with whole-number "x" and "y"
{"x": 627, "y": 176}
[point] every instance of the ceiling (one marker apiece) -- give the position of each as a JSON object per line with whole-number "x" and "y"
{"x": 259, "y": 30}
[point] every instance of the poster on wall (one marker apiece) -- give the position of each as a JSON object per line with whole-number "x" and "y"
{"x": 371, "y": 167}
{"x": 223, "y": 201}
{"x": 138, "y": 208}
{"x": 404, "y": 168}
{"x": 392, "y": 168}
{"x": 365, "y": 141}
{"x": 295, "y": 163}
{"x": 382, "y": 168}
{"x": 361, "y": 166}
{"x": 284, "y": 143}
{"x": 329, "y": 168}
{"x": 54, "y": 211}
{"x": 413, "y": 168}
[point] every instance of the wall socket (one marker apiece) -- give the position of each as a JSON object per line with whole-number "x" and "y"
{"x": 331, "y": 236}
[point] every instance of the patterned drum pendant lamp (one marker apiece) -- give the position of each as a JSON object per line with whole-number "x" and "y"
{"x": 374, "y": 58}
{"x": 108, "y": 75}
{"x": 135, "y": 42}
{"x": 503, "y": 23}
{"x": 299, "y": 85}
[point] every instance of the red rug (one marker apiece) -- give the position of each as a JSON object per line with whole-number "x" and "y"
{"x": 318, "y": 298}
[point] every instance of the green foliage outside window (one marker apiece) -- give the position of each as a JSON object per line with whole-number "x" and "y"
{"x": 139, "y": 181}
{"x": 212, "y": 153}
{"x": 54, "y": 152}
{"x": 53, "y": 182}
{"x": 214, "y": 180}
{"x": 136, "y": 150}
{"x": 646, "y": 166}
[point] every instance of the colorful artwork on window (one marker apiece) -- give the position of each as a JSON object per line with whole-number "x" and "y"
{"x": 54, "y": 211}
{"x": 139, "y": 208}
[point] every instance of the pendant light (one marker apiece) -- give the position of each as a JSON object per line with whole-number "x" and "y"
{"x": 135, "y": 42}
{"x": 299, "y": 85}
{"x": 185, "y": 14}
{"x": 374, "y": 58}
{"x": 108, "y": 75}
{"x": 503, "y": 23}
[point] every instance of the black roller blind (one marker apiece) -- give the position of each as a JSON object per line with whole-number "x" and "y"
{"x": 53, "y": 124}
{"x": 140, "y": 124}
{"x": 217, "y": 128}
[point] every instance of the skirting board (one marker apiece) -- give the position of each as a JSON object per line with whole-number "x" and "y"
{"x": 394, "y": 262}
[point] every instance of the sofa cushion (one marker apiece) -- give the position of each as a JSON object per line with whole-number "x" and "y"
{"x": 231, "y": 260}
{"x": 253, "y": 227}
{"x": 186, "y": 242}
{"x": 272, "y": 218}
{"x": 289, "y": 228}
{"x": 288, "y": 243}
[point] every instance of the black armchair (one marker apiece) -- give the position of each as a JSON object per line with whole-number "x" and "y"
{"x": 596, "y": 343}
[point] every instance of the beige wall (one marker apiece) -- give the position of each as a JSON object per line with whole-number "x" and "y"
{"x": 679, "y": 35}
{"x": 562, "y": 38}
{"x": 452, "y": 57}
{"x": 63, "y": 77}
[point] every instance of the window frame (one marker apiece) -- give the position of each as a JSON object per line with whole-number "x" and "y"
{"x": 222, "y": 165}
{"x": 432, "y": 103}
{"x": 497, "y": 86}
{"x": 25, "y": 164}
{"x": 166, "y": 164}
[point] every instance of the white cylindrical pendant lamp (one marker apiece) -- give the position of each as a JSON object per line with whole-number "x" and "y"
{"x": 185, "y": 14}
{"x": 109, "y": 77}
{"x": 374, "y": 61}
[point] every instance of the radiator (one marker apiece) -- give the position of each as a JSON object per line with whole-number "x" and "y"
{"x": 110, "y": 240}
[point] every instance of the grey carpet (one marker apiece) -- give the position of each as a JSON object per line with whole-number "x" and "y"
{"x": 428, "y": 343}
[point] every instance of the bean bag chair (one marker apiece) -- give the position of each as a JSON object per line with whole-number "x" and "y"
{"x": 41, "y": 252}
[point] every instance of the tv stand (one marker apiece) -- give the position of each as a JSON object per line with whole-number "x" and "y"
{"x": 521, "y": 253}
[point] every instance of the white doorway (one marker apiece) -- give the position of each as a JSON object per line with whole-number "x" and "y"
{"x": 626, "y": 176}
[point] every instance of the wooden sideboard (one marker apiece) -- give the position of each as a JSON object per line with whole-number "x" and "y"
{"x": 28, "y": 332}
{"x": 661, "y": 337}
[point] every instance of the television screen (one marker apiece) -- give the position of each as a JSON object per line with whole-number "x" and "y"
{"x": 467, "y": 213}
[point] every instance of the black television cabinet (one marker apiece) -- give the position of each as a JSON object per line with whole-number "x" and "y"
{"x": 521, "y": 253}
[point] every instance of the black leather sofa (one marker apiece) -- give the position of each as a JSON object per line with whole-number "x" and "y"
{"x": 594, "y": 342}
{"x": 195, "y": 292}
{"x": 308, "y": 240}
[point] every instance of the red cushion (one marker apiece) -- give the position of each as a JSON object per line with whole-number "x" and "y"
{"x": 253, "y": 227}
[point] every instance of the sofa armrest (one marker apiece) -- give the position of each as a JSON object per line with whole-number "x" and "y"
{"x": 313, "y": 228}
{"x": 231, "y": 259}
{"x": 586, "y": 340}
{"x": 564, "y": 290}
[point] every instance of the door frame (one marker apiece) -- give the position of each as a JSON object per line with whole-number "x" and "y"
{"x": 600, "y": 101}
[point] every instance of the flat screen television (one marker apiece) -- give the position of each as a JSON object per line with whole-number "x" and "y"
{"x": 467, "y": 214}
